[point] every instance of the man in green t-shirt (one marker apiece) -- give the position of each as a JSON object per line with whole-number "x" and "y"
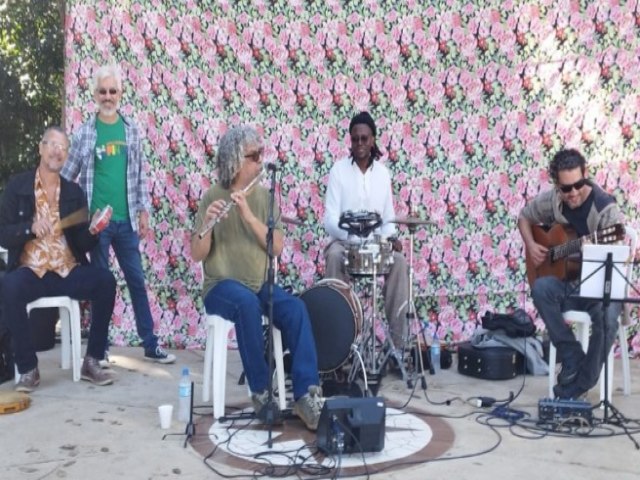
{"x": 234, "y": 257}
{"x": 107, "y": 155}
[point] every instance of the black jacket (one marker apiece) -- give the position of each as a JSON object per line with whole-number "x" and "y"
{"x": 18, "y": 210}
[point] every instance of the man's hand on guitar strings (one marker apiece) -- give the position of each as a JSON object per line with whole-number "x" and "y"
{"x": 538, "y": 253}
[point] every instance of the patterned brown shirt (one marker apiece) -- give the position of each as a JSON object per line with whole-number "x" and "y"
{"x": 51, "y": 252}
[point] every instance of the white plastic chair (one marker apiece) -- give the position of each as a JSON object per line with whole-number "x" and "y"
{"x": 215, "y": 364}
{"x": 582, "y": 322}
{"x": 69, "y": 311}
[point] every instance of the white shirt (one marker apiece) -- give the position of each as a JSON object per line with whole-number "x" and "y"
{"x": 350, "y": 189}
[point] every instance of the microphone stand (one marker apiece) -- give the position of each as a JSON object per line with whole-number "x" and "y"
{"x": 272, "y": 413}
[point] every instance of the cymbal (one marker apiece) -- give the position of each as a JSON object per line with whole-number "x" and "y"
{"x": 291, "y": 220}
{"x": 411, "y": 221}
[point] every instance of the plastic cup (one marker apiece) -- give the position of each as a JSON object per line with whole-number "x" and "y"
{"x": 165, "y": 412}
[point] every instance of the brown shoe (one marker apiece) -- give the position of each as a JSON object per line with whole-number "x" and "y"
{"x": 28, "y": 381}
{"x": 92, "y": 372}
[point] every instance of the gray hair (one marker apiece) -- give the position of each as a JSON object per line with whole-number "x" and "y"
{"x": 231, "y": 152}
{"x": 107, "y": 71}
{"x": 54, "y": 128}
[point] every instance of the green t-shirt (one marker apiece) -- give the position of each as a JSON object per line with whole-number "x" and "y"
{"x": 110, "y": 177}
{"x": 235, "y": 252}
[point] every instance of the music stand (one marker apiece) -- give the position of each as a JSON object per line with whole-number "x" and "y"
{"x": 602, "y": 279}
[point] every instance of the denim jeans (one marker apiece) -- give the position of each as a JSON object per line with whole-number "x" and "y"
{"x": 236, "y": 302}
{"x": 126, "y": 246}
{"x": 552, "y": 297}
{"x": 22, "y": 286}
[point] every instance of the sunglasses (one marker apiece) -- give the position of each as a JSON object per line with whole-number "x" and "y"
{"x": 103, "y": 91}
{"x": 360, "y": 139}
{"x": 255, "y": 156}
{"x": 578, "y": 185}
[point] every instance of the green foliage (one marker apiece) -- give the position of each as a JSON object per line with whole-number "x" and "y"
{"x": 31, "y": 78}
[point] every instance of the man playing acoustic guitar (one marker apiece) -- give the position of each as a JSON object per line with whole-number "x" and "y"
{"x": 575, "y": 207}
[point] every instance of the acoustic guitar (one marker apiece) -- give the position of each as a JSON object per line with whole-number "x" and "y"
{"x": 563, "y": 257}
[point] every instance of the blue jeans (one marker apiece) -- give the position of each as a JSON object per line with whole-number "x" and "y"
{"x": 236, "y": 302}
{"x": 551, "y": 298}
{"x": 126, "y": 246}
{"x": 22, "y": 286}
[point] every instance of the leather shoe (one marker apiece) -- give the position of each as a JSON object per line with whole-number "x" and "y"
{"x": 567, "y": 392}
{"x": 92, "y": 372}
{"x": 570, "y": 367}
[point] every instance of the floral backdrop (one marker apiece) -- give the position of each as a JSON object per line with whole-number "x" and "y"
{"x": 471, "y": 98}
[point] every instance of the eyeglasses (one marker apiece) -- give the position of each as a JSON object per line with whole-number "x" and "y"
{"x": 254, "y": 156}
{"x": 360, "y": 139}
{"x": 103, "y": 91}
{"x": 58, "y": 147}
{"x": 578, "y": 185}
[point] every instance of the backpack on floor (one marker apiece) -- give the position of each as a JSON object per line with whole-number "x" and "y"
{"x": 516, "y": 324}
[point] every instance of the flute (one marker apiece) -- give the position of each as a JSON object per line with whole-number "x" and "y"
{"x": 228, "y": 206}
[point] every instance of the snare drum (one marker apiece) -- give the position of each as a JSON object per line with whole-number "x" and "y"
{"x": 336, "y": 320}
{"x": 360, "y": 259}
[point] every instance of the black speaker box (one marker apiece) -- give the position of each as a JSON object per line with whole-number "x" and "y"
{"x": 356, "y": 423}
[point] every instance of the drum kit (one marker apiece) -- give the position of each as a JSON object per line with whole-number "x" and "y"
{"x": 342, "y": 334}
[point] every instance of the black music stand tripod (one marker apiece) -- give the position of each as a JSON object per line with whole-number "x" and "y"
{"x": 609, "y": 266}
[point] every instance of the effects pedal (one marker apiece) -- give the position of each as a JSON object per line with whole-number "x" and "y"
{"x": 557, "y": 410}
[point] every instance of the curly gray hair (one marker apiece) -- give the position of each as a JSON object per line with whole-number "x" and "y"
{"x": 231, "y": 152}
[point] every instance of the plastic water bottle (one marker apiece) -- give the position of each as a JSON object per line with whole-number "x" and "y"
{"x": 184, "y": 396}
{"x": 435, "y": 352}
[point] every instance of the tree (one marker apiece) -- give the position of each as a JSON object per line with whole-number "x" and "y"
{"x": 31, "y": 78}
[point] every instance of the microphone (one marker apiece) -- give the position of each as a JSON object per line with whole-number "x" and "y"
{"x": 272, "y": 167}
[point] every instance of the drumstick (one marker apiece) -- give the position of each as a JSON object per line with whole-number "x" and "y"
{"x": 75, "y": 218}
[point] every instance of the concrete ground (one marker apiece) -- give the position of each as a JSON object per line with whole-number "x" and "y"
{"x": 75, "y": 430}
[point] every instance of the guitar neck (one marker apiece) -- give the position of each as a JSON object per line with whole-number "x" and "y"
{"x": 568, "y": 248}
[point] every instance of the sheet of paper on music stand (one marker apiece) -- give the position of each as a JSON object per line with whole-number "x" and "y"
{"x": 593, "y": 270}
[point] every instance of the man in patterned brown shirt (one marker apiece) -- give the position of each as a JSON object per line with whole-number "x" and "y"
{"x": 47, "y": 258}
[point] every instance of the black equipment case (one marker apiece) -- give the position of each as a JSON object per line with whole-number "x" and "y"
{"x": 491, "y": 363}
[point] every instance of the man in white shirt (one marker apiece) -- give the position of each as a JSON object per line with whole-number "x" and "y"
{"x": 361, "y": 183}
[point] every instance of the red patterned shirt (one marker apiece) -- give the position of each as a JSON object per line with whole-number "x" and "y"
{"x": 51, "y": 252}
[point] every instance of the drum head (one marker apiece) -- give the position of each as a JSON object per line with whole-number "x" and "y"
{"x": 333, "y": 323}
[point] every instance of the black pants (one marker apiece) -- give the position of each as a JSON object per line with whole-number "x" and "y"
{"x": 22, "y": 286}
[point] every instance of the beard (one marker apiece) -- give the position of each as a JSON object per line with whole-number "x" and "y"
{"x": 108, "y": 109}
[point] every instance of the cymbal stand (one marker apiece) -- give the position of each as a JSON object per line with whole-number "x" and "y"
{"x": 412, "y": 319}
